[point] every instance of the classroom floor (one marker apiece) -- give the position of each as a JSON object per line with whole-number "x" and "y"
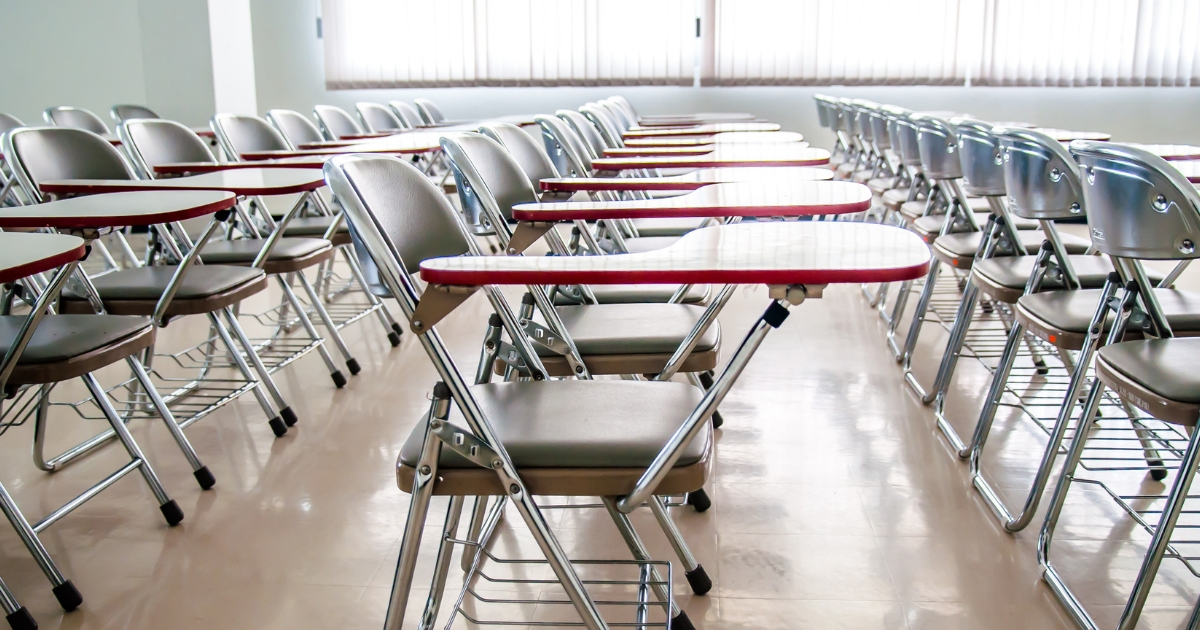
{"x": 836, "y": 503}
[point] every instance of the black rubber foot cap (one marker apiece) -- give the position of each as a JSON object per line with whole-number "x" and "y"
{"x": 277, "y": 427}
{"x": 352, "y": 364}
{"x": 205, "y": 478}
{"x": 171, "y": 511}
{"x": 682, "y": 622}
{"x": 338, "y": 379}
{"x": 68, "y": 596}
{"x": 1158, "y": 473}
{"x": 717, "y": 420}
{"x": 1042, "y": 370}
{"x": 20, "y": 619}
{"x": 396, "y": 327}
{"x": 699, "y": 580}
{"x": 289, "y": 417}
{"x": 394, "y": 338}
{"x": 706, "y": 380}
{"x": 699, "y": 500}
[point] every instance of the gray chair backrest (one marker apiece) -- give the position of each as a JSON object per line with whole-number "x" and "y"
{"x": 849, "y": 120}
{"x": 1138, "y": 205}
{"x": 296, "y": 128}
{"x": 397, "y": 217}
{"x": 430, "y": 113}
{"x": 938, "y": 147}
{"x": 1040, "y": 176}
{"x": 151, "y": 142}
{"x": 837, "y": 122}
{"x": 485, "y": 169}
{"x": 618, "y": 115}
{"x": 604, "y": 123}
{"x": 336, "y": 123}
{"x": 125, "y": 112}
{"x": 626, "y": 105}
{"x": 529, "y": 153}
{"x": 586, "y": 134}
{"x": 566, "y": 149}
{"x": 238, "y": 134}
{"x": 904, "y": 137}
{"x": 880, "y": 135}
{"x": 862, "y": 117}
{"x": 39, "y": 154}
{"x": 9, "y": 122}
{"x": 407, "y": 114}
{"x": 76, "y": 118}
{"x": 822, "y": 109}
{"x": 379, "y": 118}
{"x": 980, "y": 157}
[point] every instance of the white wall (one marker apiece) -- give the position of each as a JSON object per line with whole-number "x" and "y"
{"x": 290, "y": 70}
{"x": 96, "y": 53}
{"x": 232, "y": 46}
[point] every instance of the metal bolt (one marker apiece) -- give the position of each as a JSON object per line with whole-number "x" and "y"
{"x": 579, "y": 369}
{"x": 435, "y": 425}
{"x": 497, "y": 463}
{"x": 514, "y": 489}
{"x": 425, "y": 470}
{"x": 1187, "y": 246}
{"x": 418, "y": 324}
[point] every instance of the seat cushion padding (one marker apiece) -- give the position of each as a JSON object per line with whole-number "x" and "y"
{"x": 636, "y": 293}
{"x": 880, "y": 185}
{"x": 316, "y": 227}
{"x": 1062, "y": 317}
{"x": 897, "y": 197}
{"x": 633, "y": 338}
{"x": 289, "y": 254}
{"x": 205, "y": 288}
{"x": 67, "y": 346}
{"x": 1004, "y": 277}
{"x": 1157, "y": 375}
{"x": 862, "y": 176}
{"x": 612, "y": 429}
{"x": 958, "y": 250}
{"x": 666, "y": 227}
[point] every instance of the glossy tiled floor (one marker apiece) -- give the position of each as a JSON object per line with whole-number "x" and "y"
{"x": 836, "y": 503}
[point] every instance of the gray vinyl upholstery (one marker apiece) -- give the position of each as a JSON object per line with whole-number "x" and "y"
{"x": 156, "y": 142}
{"x": 1013, "y": 271}
{"x": 1166, "y": 367}
{"x": 578, "y": 424}
{"x": 38, "y": 154}
{"x": 666, "y": 226}
{"x": 406, "y": 113}
{"x": 312, "y": 226}
{"x": 63, "y": 337}
{"x": 379, "y": 118}
{"x": 638, "y": 293}
{"x": 9, "y": 122}
{"x": 610, "y": 329}
{"x": 528, "y": 153}
{"x": 148, "y": 283}
{"x": 592, "y": 141}
{"x": 295, "y": 127}
{"x": 244, "y": 251}
{"x": 497, "y": 171}
{"x": 932, "y": 224}
{"x": 964, "y": 244}
{"x": 604, "y": 124}
{"x": 430, "y": 113}
{"x": 564, "y": 146}
{"x": 75, "y": 118}
{"x": 1072, "y": 311}
{"x": 336, "y": 122}
{"x": 242, "y": 134}
{"x": 122, "y": 113}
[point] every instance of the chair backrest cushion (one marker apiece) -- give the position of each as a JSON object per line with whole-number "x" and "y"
{"x": 528, "y": 152}
{"x": 241, "y": 134}
{"x": 490, "y": 171}
{"x": 378, "y": 118}
{"x": 336, "y": 122}
{"x": 77, "y": 118}
{"x": 152, "y": 142}
{"x": 39, "y": 154}
{"x": 295, "y": 127}
{"x": 125, "y": 112}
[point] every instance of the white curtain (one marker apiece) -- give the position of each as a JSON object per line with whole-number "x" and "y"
{"x": 442, "y": 43}
{"x": 938, "y": 42}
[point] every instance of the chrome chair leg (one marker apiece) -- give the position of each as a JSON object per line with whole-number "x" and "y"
{"x": 278, "y": 425}
{"x": 441, "y": 566}
{"x": 338, "y": 379}
{"x": 16, "y": 615}
{"x": 394, "y": 331}
{"x": 351, "y": 362}
{"x": 918, "y": 318}
{"x": 203, "y": 475}
{"x": 638, "y": 549}
{"x": 64, "y": 591}
{"x": 696, "y": 576}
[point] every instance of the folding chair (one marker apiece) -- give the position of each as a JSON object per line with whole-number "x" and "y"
{"x": 239, "y": 134}
{"x": 676, "y": 119}
{"x": 1045, "y": 184}
{"x": 8, "y": 194}
{"x": 407, "y": 114}
{"x": 44, "y": 349}
{"x": 336, "y": 123}
{"x": 431, "y": 114}
{"x": 121, "y": 113}
{"x": 529, "y": 448}
{"x": 378, "y": 118}
{"x": 40, "y": 154}
{"x": 1138, "y": 208}
{"x": 296, "y": 129}
{"x": 76, "y": 118}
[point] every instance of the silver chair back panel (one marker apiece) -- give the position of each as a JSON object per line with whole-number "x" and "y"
{"x": 76, "y": 118}
{"x": 406, "y": 113}
{"x": 127, "y": 112}
{"x": 587, "y": 136}
{"x": 377, "y": 118}
{"x": 980, "y": 158}
{"x": 938, "y": 148}
{"x": 1040, "y": 177}
{"x": 335, "y": 122}
{"x": 38, "y": 154}
{"x": 565, "y": 150}
{"x": 528, "y": 153}
{"x": 151, "y": 142}
{"x": 295, "y": 127}
{"x": 239, "y": 134}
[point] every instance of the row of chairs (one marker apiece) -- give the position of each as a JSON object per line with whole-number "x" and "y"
{"x": 1078, "y": 336}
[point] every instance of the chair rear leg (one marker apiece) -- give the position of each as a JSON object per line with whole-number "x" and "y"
{"x": 339, "y": 380}
{"x": 441, "y": 566}
{"x": 696, "y": 576}
{"x": 385, "y": 316}
{"x": 264, "y": 375}
{"x": 203, "y": 475}
{"x": 17, "y": 616}
{"x": 64, "y": 591}
{"x": 278, "y": 427}
{"x": 679, "y": 618}
{"x": 330, "y": 327}
{"x": 918, "y": 318}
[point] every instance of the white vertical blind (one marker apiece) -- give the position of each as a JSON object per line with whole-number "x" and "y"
{"x": 440, "y": 43}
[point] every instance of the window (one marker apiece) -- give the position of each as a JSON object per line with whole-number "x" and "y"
{"x": 439, "y": 43}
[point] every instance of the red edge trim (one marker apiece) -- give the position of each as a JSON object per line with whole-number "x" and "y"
{"x": 608, "y": 164}
{"x": 690, "y": 276}
{"x": 21, "y": 271}
{"x": 698, "y": 212}
{"x": 7, "y": 221}
{"x": 86, "y": 189}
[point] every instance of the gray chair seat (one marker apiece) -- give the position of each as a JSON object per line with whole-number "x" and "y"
{"x": 880, "y": 185}
{"x": 289, "y": 254}
{"x": 633, "y": 338}
{"x": 316, "y": 227}
{"x": 915, "y": 209}
{"x": 67, "y": 346}
{"x": 862, "y": 176}
{"x": 958, "y": 250}
{"x": 1004, "y": 277}
{"x": 205, "y": 288}
{"x": 574, "y": 437}
{"x": 639, "y": 293}
{"x": 897, "y": 197}
{"x": 844, "y": 170}
{"x": 1157, "y": 375}
{"x": 931, "y": 226}
{"x": 666, "y": 227}
{"x": 649, "y": 243}
{"x": 1062, "y": 317}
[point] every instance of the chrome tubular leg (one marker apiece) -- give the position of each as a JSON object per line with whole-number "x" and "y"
{"x": 441, "y": 566}
{"x": 384, "y": 315}
{"x": 474, "y": 529}
{"x": 291, "y": 298}
{"x": 697, "y": 577}
{"x": 941, "y": 383}
{"x": 277, "y": 425}
{"x": 638, "y": 549}
{"x": 18, "y": 616}
{"x": 893, "y": 319}
{"x": 68, "y": 596}
{"x": 351, "y": 363}
{"x": 169, "y": 508}
{"x": 918, "y": 317}
{"x": 203, "y": 475}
